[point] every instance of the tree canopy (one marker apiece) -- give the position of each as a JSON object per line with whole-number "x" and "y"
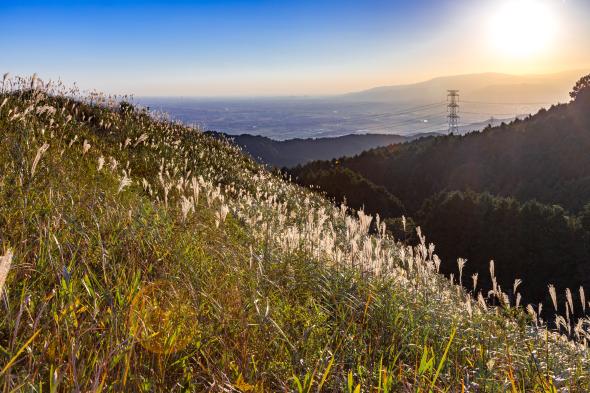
{"x": 582, "y": 87}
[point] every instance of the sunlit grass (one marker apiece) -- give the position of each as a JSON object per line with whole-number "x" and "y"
{"x": 150, "y": 257}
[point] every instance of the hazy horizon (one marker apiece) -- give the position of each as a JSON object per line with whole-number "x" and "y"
{"x": 574, "y": 71}
{"x": 403, "y": 110}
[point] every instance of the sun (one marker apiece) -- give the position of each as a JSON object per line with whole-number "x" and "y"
{"x": 523, "y": 28}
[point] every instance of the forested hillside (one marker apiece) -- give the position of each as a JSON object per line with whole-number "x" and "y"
{"x": 292, "y": 152}
{"x": 544, "y": 158}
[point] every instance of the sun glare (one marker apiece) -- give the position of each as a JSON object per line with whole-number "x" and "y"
{"x": 522, "y": 28}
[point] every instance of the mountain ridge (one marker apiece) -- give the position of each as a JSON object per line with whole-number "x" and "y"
{"x": 469, "y": 84}
{"x": 291, "y": 152}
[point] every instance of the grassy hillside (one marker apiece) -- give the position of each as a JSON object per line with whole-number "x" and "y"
{"x": 146, "y": 256}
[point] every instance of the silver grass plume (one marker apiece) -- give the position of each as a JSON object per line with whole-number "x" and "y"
{"x": 570, "y": 300}
{"x": 4, "y": 77}
{"x": 40, "y": 152}
{"x": 481, "y": 301}
{"x": 85, "y": 147}
{"x": 125, "y": 181}
{"x": 553, "y": 295}
{"x": 34, "y": 80}
{"x": 517, "y": 282}
{"x": 532, "y": 313}
{"x": 5, "y": 262}
{"x": 461, "y": 264}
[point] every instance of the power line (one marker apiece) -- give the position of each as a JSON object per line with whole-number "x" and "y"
{"x": 410, "y": 110}
{"x": 433, "y": 126}
{"x": 432, "y": 116}
{"x": 386, "y": 125}
{"x": 492, "y": 114}
{"x": 452, "y": 112}
{"x": 506, "y": 103}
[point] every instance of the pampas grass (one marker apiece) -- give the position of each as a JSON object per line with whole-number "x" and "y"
{"x": 553, "y": 295}
{"x": 276, "y": 288}
{"x": 40, "y": 153}
{"x": 5, "y": 262}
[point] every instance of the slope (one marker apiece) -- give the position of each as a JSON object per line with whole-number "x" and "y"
{"x": 146, "y": 256}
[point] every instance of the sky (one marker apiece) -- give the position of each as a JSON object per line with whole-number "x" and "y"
{"x": 284, "y": 47}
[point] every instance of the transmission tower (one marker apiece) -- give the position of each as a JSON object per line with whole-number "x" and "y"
{"x": 453, "y": 109}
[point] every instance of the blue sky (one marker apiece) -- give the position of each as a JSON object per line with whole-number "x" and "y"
{"x": 265, "y": 47}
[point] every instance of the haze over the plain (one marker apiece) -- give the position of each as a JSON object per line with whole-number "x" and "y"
{"x": 488, "y": 98}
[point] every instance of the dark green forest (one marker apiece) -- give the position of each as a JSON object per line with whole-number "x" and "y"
{"x": 518, "y": 193}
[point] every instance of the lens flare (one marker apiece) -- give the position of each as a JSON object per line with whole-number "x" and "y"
{"x": 522, "y": 28}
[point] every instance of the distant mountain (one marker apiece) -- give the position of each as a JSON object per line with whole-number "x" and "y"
{"x": 293, "y": 152}
{"x": 486, "y": 87}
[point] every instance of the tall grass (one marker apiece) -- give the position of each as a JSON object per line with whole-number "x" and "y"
{"x": 150, "y": 257}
